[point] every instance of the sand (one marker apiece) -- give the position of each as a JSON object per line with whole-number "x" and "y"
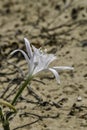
{"x": 60, "y": 26}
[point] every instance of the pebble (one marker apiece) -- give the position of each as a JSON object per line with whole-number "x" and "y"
{"x": 79, "y": 98}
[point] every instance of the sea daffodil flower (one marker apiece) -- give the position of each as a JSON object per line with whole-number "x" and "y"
{"x": 39, "y": 61}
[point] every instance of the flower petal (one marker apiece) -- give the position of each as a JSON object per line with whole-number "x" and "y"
{"x": 24, "y": 54}
{"x": 49, "y": 58}
{"x": 36, "y": 51}
{"x": 55, "y": 74}
{"x": 28, "y": 47}
{"x": 59, "y": 68}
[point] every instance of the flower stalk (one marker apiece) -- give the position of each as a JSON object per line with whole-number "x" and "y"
{"x": 21, "y": 88}
{"x": 5, "y": 122}
{"x": 6, "y": 125}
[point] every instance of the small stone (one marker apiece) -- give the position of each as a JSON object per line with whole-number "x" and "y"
{"x": 79, "y": 98}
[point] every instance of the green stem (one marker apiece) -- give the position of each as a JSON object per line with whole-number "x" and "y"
{"x": 5, "y": 122}
{"x": 6, "y": 125}
{"x": 21, "y": 88}
{"x": 7, "y": 104}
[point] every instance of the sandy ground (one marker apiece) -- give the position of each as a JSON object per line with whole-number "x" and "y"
{"x": 60, "y": 26}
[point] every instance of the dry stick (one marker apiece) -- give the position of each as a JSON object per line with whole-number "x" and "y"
{"x": 42, "y": 103}
{"x": 39, "y": 81}
{"x": 11, "y": 93}
{"x": 68, "y": 25}
{"x": 3, "y": 74}
{"x": 26, "y": 124}
{"x": 79, "y": 22}
{"x": 65, "y": 32}
{"x": 6, "y": 90}
{"x": 18, "y": 68}
{"x": 30, "y": 90}
{"x": 28, "y": 101}
{"x": 39, "y": 118}
{"x": 9, "y": 73}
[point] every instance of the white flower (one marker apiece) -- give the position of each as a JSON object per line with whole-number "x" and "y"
{"x": 38, "y": 61}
